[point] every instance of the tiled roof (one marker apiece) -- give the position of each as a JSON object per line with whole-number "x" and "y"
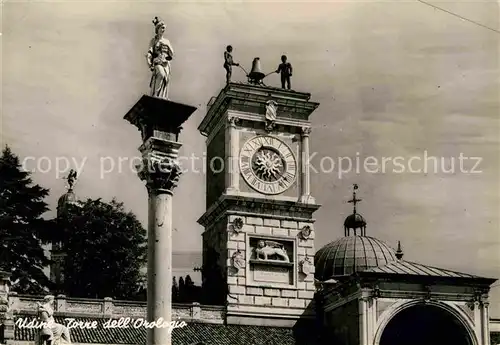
{"x": 412, "y": 268}
{"x": 209, "y": 334}
{"x": 351, "y": 254}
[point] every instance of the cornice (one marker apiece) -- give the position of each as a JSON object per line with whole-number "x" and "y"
{"x": 258, "y": 207}
{"x": 235, "y": 96}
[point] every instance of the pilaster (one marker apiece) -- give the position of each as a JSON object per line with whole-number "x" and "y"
{"x": 485, "y": 322}
{"x": 367, "y": 316}
{"x": 305, "y": 166}
{"x": 232, "y": 148}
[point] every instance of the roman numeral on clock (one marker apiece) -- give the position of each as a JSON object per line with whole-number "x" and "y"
{"x": 271, "y": 188}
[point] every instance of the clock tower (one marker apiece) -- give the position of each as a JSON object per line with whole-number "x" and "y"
{"x": 258, "y": 243}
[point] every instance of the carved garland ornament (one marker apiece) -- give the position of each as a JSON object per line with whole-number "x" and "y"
{"x": 305, "y": 233}
{"x": 237, "y": 225}
{"x": 306, "y": 266}
{"x": 238, "y": 260}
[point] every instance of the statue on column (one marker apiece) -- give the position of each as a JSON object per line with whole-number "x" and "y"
{"x": 52, "y": 333}
{"x": 159, "y": 55}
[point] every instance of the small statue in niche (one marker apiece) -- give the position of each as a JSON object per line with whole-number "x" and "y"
{"x": 267, "y": 249}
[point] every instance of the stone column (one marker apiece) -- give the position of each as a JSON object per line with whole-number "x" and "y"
{"x": 161, "y": 172}
{"x": 364, "y": 319}
{"x": 232, "y": 167}
{"x": 485, "y": 323}
{"x": 160, "y": 122}
{"x": 306, "y": 177}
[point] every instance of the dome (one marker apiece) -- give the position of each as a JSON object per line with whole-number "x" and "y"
{"x": 351, "y": 254}
{"x": 64, "y": 200}
{"x": 354, "y": 221}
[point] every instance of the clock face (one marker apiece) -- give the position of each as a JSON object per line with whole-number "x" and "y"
{"x": 268, "y": 164}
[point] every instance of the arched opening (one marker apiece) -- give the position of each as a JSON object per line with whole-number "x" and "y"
{"x": 425, "y": 325}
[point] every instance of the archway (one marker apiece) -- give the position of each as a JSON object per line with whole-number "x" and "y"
{"x": 425, "y": 325}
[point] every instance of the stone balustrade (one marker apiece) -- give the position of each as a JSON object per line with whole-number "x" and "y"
{"x": 110, "y": 308}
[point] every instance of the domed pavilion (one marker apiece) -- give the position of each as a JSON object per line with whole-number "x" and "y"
{"x": 367, "y": 294}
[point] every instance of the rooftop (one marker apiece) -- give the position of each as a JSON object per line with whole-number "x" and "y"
{"x": 351, "y": 254}
{"x": 193, "y": 333}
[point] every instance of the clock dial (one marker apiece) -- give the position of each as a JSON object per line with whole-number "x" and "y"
{"x": 268, "y": 165}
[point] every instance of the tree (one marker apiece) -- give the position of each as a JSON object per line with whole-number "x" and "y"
{"x": 192, "y": 293}
{"x": 189, "y": 287}
{"x": 182, "y": 290}
{"x": 105, "y": 248}
{"x": 175, "y": 291}
{"x": 21, "y": 225}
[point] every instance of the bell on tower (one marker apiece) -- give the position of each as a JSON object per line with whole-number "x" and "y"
{"x": 354, "y": 221}
{"x": 256, "y": 76}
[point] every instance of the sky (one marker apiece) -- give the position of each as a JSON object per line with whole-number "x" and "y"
{"x": 393, "y": 79}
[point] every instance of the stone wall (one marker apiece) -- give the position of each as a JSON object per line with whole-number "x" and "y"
{"x": 215, "y": 167}
{"x": 342, "y": 324}
{"x": 214, "y": 259}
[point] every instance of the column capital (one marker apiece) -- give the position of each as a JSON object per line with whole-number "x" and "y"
{"x": 305, "y": 131}
{"x": 232, "y": 121}
{"x": 159, "y": 167}
{"x": 161, "y": 173}
{"x": 366, "y": 295}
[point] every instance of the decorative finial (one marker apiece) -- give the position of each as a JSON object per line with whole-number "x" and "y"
{"x": 71, "y": 179}
{"x": 354, "y": 201}
{"x": 399, "y": 252}
{"x": 354, "y": 221}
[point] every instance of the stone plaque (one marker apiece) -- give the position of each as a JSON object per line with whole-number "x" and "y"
{"x": 271, "y": 274}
